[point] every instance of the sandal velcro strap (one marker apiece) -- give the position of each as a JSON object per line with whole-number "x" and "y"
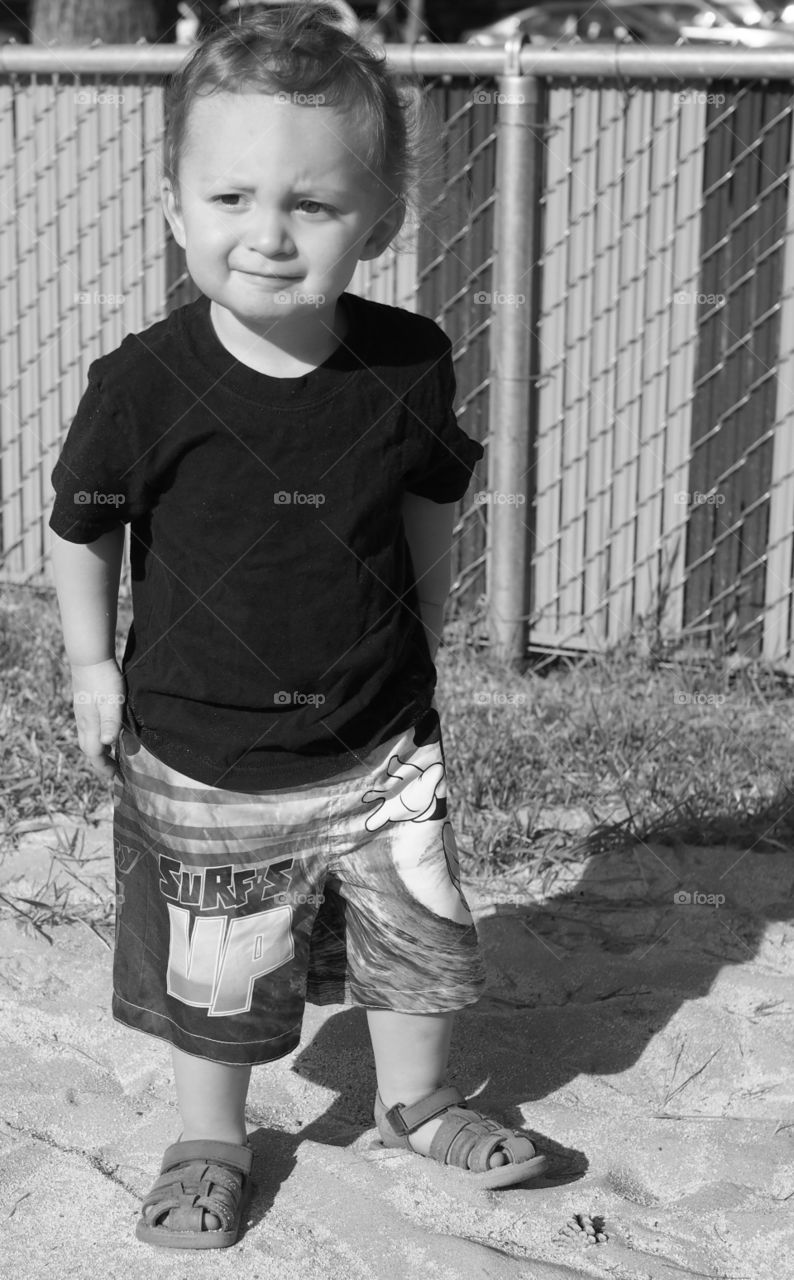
{"x": 206, "y": 1151}
{"x": 405, "y": 1120}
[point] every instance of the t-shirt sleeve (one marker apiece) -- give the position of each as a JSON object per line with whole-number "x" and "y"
{"x": 438, "y": 457}
{"x": 98, "y": 478}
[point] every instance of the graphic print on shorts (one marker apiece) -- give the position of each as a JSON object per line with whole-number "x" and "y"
{"x": 416, "y": 793}
{"x": 214, "y": 966}
{"x": 235, "y": 908}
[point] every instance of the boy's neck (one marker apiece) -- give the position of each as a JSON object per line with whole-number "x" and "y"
{"x": 287, "y": 351}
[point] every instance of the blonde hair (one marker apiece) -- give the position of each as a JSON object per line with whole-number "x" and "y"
{"x": 312, "y": 49}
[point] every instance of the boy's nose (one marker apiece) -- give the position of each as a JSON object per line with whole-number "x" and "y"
{"x": 269, "y": 234}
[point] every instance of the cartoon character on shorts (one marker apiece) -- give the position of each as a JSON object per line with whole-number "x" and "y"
{"x": 416, "y": 793}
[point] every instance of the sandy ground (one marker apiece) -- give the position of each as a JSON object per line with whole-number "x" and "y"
{"x": 645, "y": 1044}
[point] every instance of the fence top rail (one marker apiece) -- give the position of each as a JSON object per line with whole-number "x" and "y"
{"x": 621, "y": 61}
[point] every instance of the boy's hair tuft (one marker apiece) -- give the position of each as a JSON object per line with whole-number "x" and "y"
{"x": 311, "y": 48}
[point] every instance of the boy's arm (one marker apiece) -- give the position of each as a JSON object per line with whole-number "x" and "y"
{"x": 86, "y": 576}
{"x": 428, "y": 530}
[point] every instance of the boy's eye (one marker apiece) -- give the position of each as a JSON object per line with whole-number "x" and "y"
{"x": 230, "y": 200}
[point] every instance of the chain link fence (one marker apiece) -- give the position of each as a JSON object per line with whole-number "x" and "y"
{"x": 663, "y": 419}
{"x": 655, "y": 322}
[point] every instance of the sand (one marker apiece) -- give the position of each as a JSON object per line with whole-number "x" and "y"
{"x": 645, "y": 1043}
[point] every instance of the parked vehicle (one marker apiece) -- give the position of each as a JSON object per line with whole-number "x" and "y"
{"x": 702, "y": 20}
{"x": 676, "y": 22}
{"x": 749, "y": 12}
{"x": 574, "y": 21}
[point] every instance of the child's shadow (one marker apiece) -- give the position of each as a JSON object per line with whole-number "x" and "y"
{"x": 579, "y": 985}
{"x": 339, "y": 1057}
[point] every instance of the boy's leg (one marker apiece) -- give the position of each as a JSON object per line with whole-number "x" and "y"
{"x": 411, "y": 1052}
{"x": 211, "y": 1098}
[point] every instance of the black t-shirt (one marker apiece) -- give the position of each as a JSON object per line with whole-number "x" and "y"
{"x": 277, "y": 633}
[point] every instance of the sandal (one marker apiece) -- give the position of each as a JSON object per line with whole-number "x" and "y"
{"x": 197, "y": 1177}
{"x": 465, "y": 1139}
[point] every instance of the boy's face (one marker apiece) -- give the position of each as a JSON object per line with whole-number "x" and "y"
{"x": 271, "y": 188}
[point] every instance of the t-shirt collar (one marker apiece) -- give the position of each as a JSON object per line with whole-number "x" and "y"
{"x": 198, "y": 334}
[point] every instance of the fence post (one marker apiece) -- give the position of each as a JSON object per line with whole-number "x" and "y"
{"x": 507, "y": 544}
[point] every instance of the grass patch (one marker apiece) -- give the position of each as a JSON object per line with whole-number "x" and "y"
{"x": 544, "y": 767}
{"x": 601, "y": 751}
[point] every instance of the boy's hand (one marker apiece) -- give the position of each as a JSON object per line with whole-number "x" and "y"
{"x": 98, "y": 695}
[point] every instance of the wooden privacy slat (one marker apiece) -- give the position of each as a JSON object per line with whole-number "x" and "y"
{"x": 142, "y": 142}
{"x": 63, "y": 398}
{"x": 45, "y": 428}
{"x": 606, "y": 219}
{"x": 565, "y": 374}
{"x": 718, "y": 190}
{"x": 587, "y": 416}
{"x": 481, "y": 241}
{"x": 91, "y": 204}
{"x": 727, "y": 541}
{"x": 28, "y": 143}
{"x": 130, "y": 166}
{"x": 635, "y": 186}
{"x": 779, "y": 577}
{"x": 69, "y": 236}
{"x": 760, "y": 344}
{"x": 652, "y": 424}
{"x": 473, "y": 369}
{"x": 736, "y": 317}
{"x": 9, "y": 347}
{"x": 154, "y": 261}
{"x": 681, "y": 368}
{"x": 762, "y": 359}
{"x": 40, "y": 316}
{"x": 452, "y": 267}
{"x": 109, "y": 314}
{"x": 482, "y": 267}
{"x": 547, "y": 429}
{"x": 577, "y": 373}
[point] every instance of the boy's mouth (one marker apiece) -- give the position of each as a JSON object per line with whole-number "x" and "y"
{"x": 261, "y": 275}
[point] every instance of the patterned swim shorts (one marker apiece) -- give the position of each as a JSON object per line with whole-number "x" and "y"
{"x": 234, "y": 909}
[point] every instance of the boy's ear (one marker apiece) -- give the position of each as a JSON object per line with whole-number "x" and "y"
{"x": 172, "y": 212}
{"x": 384, "y": 231}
